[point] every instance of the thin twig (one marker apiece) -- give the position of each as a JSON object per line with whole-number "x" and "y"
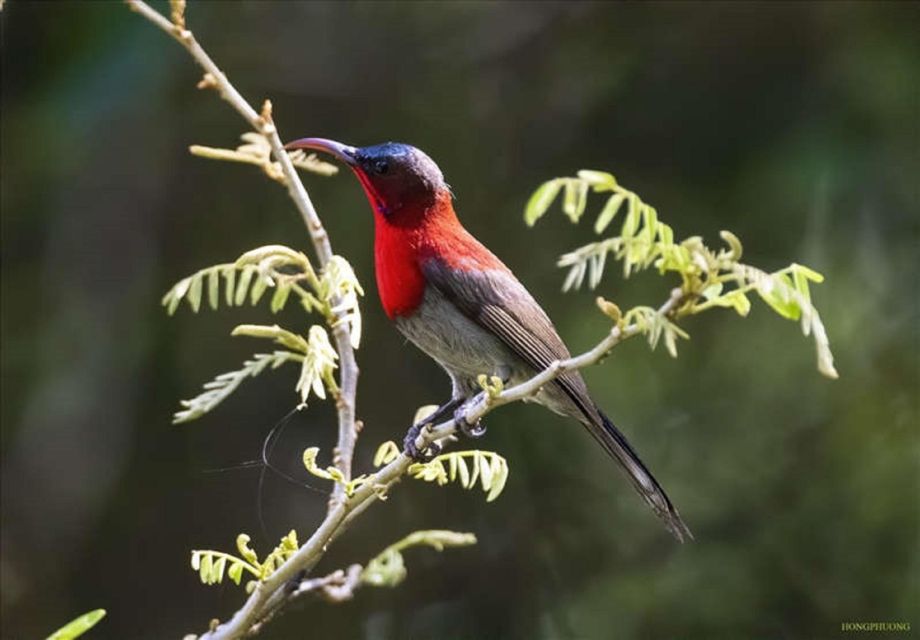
{"x": 338, "y": 586}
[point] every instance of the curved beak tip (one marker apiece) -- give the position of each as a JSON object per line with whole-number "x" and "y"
{"x": 340, "y": 151}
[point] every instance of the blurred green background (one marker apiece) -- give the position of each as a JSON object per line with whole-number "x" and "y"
{"x": 794, "y": 125}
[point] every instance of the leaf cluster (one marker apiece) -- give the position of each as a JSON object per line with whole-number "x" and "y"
{"x": 487, "y": 468}
{"x": 709, "y": 277}
{"x": 332, "y": 473}
{"x": 212, "y": 565}
{"x": 257, "y": 150}
{"x": 388, "y": 568}
{"x": 466, "y": 467}
{"x": 332, "y": 293}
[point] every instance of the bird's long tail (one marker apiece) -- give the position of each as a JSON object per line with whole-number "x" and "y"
{"x": 618, "y": 447}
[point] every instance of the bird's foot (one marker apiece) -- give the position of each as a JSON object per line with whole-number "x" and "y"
{"x": 411, "y": 448}
{"x": 467, "y": 428}
{"x": 433, "y": 449}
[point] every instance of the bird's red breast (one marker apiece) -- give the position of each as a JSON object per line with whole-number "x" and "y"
{"x": 404, "y": 240}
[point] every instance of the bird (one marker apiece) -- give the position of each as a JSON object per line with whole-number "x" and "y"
{"x": 459, "y": 303}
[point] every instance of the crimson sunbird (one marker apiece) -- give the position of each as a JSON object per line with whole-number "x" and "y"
{"x": 463, "y": 307}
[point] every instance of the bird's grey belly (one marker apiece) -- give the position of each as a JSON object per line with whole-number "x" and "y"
{"x": 465, "y": 350}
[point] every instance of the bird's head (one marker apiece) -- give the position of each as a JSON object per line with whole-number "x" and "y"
{"x": 401, "y": 182}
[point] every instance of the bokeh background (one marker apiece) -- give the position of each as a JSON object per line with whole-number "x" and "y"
{"x": 794, "y": 125}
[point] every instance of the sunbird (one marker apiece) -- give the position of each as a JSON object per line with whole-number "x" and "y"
{"x": 458, "y": 303}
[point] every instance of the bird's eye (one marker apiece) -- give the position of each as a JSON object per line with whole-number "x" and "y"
{"x": 381, "y": 167}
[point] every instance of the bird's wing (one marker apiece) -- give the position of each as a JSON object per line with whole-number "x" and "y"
{"x": 495, "y": 300}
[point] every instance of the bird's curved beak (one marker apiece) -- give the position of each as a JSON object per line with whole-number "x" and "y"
{"x": 338, "y": 150}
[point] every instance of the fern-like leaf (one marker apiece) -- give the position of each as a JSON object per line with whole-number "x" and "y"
{"x": 388, "y": 568}
{"x": 237, "y": 281}
{"x": 78, "y": 626}
{"x": 709, "y": 278}
{"x": 319, "y": 362}
{"x": 220, "y": 388}
{"x": 487, "y": 468}
{"x": 212, "y": 565}
{"x": 256, "y": 150}
{"x": 339, "y": 283}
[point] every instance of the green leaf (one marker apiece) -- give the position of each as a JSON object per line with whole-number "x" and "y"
{"x": 734, "y": 245}
{"x": 608, "y": 213}
{"x": 172, "y": 302}
{"x": 739, "y": 301}
{"x": 665, "y": 234}
{"x": 178, "y": 292}
{"x": 78, "y": 626}
{"x": 243, "y": 285}
{"x": 386, "y": 453}
{"x": 217, "y": 570}
{"x": 485, "y": 472}
{"x": 823, "y": 348}
{"x": 464, "y": 472}
{"x": 575, "y": 277}
{"x": 801, "y": 285}
{"x": 273, "y": 255}
{"x": 235, "y": 572}
{"x": 230, "y": 286}
{"x": 810, "y": 274}
{"x": 712, "y": 291}
{"x": 242, "y": 545}
{"x": 598, "y": 180}
{"x": 670, "y": 341}
{"x": 204, "y": 567}
{"x": 499, "y": 477}
{"x": 541, "y": 200}
{"x": 214, "y": 288}
{"x": 279, "y": 298}
{"x": 575, "y": 199}
{"x": 650, "y": 226}
{"x": 194, "y": 293}
{"x": 775, "y": 292}
{"x": 633, "y": 216}
{"x": 386, "y": 570}
{"x": 258, "y": 288}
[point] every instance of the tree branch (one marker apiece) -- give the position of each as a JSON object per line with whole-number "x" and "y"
{"x": 272, "y": 593}
{"x": 264, "y": 124}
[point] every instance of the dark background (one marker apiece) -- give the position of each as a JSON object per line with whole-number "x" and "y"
{"x": 794, "y": 125}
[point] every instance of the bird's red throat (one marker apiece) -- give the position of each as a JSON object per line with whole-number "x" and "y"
{"x": 406, "y": 238}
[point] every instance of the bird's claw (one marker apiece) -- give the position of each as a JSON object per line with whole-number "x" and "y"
{"x": 467, "y": 428}
{"x": 412, "y": 450}
{"x": 292, "y": 584}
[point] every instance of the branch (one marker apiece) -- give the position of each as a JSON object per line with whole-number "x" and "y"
{"x": 264, "y": 125}
{"x": 271, "y": 594}
{"x": 338, "y": 586}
